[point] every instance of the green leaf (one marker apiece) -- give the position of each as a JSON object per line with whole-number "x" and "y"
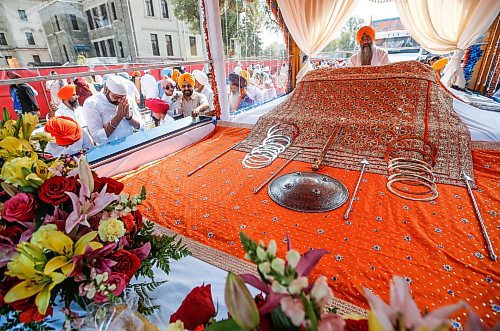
{"x": 310, "y": 314}
{"x": 281, "y": 322}
{"x": 5, "y": 115}
{"x": 225, "y": 325}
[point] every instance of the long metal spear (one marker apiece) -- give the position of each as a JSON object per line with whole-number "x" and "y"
{"x": 364, "y": 162}
{"x": 468, "y": 179}
{"x": 213, "y": 159}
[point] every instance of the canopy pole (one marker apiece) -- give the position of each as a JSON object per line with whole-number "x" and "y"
{"x": 295, "y": 61}
{"x": 216, "y": 47}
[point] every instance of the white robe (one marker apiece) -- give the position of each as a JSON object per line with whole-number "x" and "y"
{"x": 98, "y": 111}
{"x": 379, "y": 58}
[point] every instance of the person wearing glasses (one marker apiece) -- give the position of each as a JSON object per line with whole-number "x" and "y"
{"x": 172, "y": 97}
{"x": 112, "y": 114}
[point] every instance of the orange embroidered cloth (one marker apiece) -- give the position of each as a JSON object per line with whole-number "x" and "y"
{"x": 373, "y": 105}
{"x": 437, "y": 246}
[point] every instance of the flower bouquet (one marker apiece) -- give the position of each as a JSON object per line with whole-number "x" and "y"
{"x": 66, "y": 234}
{"x": 292, "y": 302}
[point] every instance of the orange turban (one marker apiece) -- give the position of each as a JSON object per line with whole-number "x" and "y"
{"x": 185, "y": 77}
{"x": 176, "y": 74}
{"x": 66, "y": 92}
{"x": 366, "y": 29}
{"x": 245, "y": 74}
{"x": 65, "y": 129}
{"x": 157, "y": 106}
{"x": 440, "y": 64}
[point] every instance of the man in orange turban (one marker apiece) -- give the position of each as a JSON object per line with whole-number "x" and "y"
{"x": 193, "y": 103}
{"x": 69, "y": 106}
{"x": 369, "y": 54}
{"x": 70, "y": 137}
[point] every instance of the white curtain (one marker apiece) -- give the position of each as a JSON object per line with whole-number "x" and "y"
{"x": 313, "y": 23}
{"x": 443, "y": 26}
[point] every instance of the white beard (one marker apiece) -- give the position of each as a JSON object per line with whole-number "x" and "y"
{"x": 233, "y": 99}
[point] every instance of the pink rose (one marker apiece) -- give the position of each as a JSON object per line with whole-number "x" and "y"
{"x": 21, "y": 208}
{"x": 119, "y": 280}
{"x": 331, "y": 322}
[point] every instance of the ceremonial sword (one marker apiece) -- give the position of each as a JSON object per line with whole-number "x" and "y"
{"x": 213, "y": 159}
{"x": 326, "y": 148}
{"x": 256, "y": 190}
{"x": 364, "y": 162}
{"x": 468, "y": 179}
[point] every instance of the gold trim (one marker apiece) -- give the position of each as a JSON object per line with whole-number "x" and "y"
{"x": 231, "y": 263}
{"x": 488, "y": 145}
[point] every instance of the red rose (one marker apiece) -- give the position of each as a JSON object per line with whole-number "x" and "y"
{"x": 128, "y": 220}
{"x": 127, "y": 263}
{"x": 114, "y": 186}
{"x": 32, "y": 315}
{"x": 52, "y": 190}
{"x": 196, "y": 309}
{"x": 353, "y": 325}
{"x": 137, "y": 219}
{"x": 21, "y": 207}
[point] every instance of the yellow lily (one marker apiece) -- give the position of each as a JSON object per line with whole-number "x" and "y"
{"x": 49, "y": 238}
{"x": 12, "y": 147}
{"x": 29, "y": 123}
{"x": 34, "y": 282}
{"x": 8, "y": 129}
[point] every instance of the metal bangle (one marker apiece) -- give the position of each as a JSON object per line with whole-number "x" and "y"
{"x": 394, "y": 191}
{"x": 110, "y": 123}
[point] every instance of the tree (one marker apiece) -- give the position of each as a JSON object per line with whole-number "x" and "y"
{"x": 347, "y": 39}
{"x": 241, "y": 22}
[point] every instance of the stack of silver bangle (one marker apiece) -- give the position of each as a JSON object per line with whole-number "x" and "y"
{"x": 279, "y": 137}
{"x": 415, "y": 178}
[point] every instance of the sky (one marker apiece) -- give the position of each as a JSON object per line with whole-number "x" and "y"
{"x": 365, "y": 10}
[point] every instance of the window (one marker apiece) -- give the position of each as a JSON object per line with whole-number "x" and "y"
{"x": 104, "y": 51}
{"x": 192, "y": 45}
{"x": 22, "y": 15}
{"x": 113, "y": 11}
{"x": 164, "y": 9}
{"x": 111, "y": 46}
{"x": 104, "y": 15}
{"x": 154, "y": 44}
{"x": 96, "y": 18}
{"x": 74, "y": 22}
{"x": 149, "y": 8}
{"x": 91, "y": 21}
{"x": 170, "y": 47}
{"x": 3, "y": 41}
{"x": 66, "y": 53}
{"x": 97, "y": 49}
{"x": 58, "y": 27}
{"x": 29, "y": 37}
{"x": 36, "y": 58}
{"x": 120, "y": 48}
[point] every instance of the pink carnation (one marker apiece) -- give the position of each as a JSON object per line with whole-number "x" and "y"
{"x": 21, "y": 208}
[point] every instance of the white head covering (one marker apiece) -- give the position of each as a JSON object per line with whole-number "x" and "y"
{"x": 116, "y": 84}
{"x": 200, "y": 77}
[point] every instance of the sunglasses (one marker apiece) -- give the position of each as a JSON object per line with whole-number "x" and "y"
{"x": 168, "y": 87}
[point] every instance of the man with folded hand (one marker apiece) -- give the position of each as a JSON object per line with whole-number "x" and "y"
{"x": 112, "y": 114}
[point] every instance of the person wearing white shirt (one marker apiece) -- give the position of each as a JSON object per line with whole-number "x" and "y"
{"x": 171, "y": 97}
{"x": 111, "y": 114}
{"x": 70, "y": 108}
{"x": 369, "y": 54}
{"x": 202, "y": 86}
{"x": 149, "y": 87}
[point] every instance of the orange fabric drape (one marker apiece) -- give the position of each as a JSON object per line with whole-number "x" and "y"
{"x": 437, "y": 246}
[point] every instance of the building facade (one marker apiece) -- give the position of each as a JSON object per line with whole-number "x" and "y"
{"x": 66, "y": 30}
{"x": 139, "y": 30}
{"x": 22, "y": 39}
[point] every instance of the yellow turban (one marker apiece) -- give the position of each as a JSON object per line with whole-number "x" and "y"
{"x": 245, "y": 74}
{"x": 366, "y": 29}
{"x": 186, "y": 77}
{"x": 66, "y": 92}
{"x": 176, "y": 74}
{"x": 440, "y": 64}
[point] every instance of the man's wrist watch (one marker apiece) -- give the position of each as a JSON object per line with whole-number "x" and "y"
{"x": 129, "y": 118}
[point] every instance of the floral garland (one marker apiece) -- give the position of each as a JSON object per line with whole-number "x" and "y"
{"x": 210, "y": 67}
{"x": 472, "y": 55}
